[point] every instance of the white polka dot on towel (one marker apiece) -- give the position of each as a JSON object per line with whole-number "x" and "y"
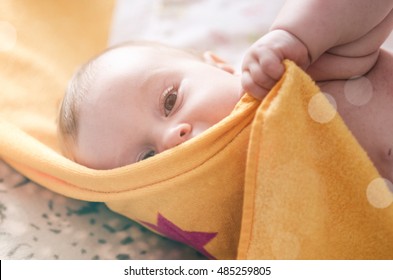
{"x": 317, "y": 109}
{"x": 358, "y": 91}
{"x": 379, "y": 194}
{"x": 8, "y": 36}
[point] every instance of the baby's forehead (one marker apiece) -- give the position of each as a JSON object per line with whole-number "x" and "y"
{"x": 119, "y": 65}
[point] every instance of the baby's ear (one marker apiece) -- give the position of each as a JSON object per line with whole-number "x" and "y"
{"x": 215, "y": 60}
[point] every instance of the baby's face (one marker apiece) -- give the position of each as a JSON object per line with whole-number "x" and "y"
{"x": 144, "y": 101}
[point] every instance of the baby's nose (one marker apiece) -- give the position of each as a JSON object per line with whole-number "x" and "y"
{"x": 176, "y": 135}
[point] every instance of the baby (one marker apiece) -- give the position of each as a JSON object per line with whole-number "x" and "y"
{"x": 136, "y": 100}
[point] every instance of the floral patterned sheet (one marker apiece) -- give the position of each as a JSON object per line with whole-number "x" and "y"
{"x": 36, "y": 223}
{"x": 226, "y": 27}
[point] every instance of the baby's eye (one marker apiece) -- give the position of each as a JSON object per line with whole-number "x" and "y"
{"x": 147, "y": 155}
{"x": 169, "y": 100}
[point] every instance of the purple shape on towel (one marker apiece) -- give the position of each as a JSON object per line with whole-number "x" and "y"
{"x": 194, "y": 239}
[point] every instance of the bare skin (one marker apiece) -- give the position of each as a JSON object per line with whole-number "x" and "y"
{"x": 334, "y": 41}
{"x": 371, "y": 123}
{"x": 329, "y": 39}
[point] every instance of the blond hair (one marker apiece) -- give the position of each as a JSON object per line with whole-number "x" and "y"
{"x": 76, "y": 92}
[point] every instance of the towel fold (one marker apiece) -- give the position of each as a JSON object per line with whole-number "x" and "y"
{"x": 278, "y": 179}
{"x": 311, "y": 192}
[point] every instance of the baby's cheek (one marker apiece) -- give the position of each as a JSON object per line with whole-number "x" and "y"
{"x": 196, "y": 131}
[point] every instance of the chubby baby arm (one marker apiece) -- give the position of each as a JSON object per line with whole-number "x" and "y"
{"x": 341, "y": 39}
{"x": 262, "y": 64}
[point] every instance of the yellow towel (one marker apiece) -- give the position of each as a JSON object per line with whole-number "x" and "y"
{"x": 41, "y": 44}
{"x": 311, "y": 191}
{"x": 194, "y": 192}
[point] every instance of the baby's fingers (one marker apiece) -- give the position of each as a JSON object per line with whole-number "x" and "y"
{"x": 250, "y": 86}
{"x": 262, "y": 68}
{"x": 271, "y": 63}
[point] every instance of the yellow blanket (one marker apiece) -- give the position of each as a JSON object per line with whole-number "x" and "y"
{"x": 311, "y": 191}
{"x": 280, "y": 185}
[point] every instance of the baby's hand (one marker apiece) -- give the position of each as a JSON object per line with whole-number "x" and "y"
{"x": 262, "y": 64}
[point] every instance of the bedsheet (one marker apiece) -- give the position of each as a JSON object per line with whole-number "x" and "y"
{"x": 36, "y": 223}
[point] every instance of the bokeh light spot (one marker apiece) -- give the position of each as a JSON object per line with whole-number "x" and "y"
{"x": 379, "y": 194}
{"x": 319, "y": 110}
